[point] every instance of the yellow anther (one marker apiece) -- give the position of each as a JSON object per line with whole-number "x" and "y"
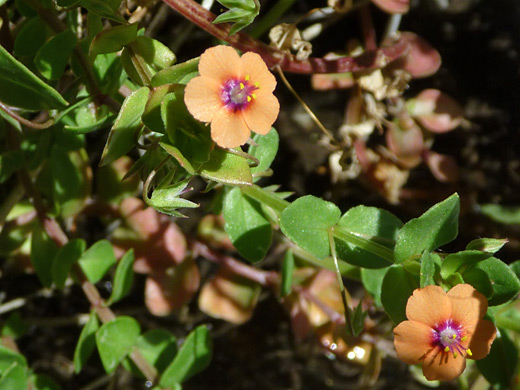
{"x": 464, "y": 338}
{"x": 468, "y": 351}
{"x": 447, "y": 349}
{"x": 257, "y": 84}
{"x": 242, "y": 86}
{"x": 249, "y": 98}
{"x": 253, "y": 95}
{"x": 455, "y": 355}
{"x": 247, "y": 77}
{"x": 454, "y": 336}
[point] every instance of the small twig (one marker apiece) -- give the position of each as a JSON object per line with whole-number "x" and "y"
{"x": 26, "y": 122}
{"x": 273, "y": 56}
{"x": 304, "y": 105}
{"x": 367, "y": 25}
{"x": 265, "y": 278}
{"x": 346, "y": 307}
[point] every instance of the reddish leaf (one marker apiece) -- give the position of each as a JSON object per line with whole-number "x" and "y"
{"x": 393, "y": 6}
{"x": 436, "y": 111}
{"x": 443, "y": 167}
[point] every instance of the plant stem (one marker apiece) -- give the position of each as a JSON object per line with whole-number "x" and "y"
{"x": 287, "y": 62}
{"x": 367, "y": 25}
{"x": 54, "y": 231}
{"x": 348, "y": 320}
{"x": 262, "y": 25}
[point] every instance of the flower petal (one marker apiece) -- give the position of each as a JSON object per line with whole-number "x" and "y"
{"x": 202, "y": 99}
{"x": 219, "y": 63}
{"x": 229, "y": 129}
{"x": 413, "y": 341}
{"x": 262, "y": 112}
{"x": 442, "y": 366}
{"x": 481, "y": 340}
{"x": 429, "y": 305}
{"x": 252, "y": 65}
{"x": 467, "y": 305}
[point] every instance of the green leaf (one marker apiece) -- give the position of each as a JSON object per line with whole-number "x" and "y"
{"x": 177, "y": 74}
{"x": 490, "y": 245}
{"x": 13, "y": 378}
{"x": 10, "y": 162}
{"x": 502, "y": 214}
{"x": 480, "y": 280}
{"x": 53, "y": 57}
{"x": 15, "y": 326}
{"x": 86, "y": 342}
{"x": 43, "y": 382}
{"x": 115, "y": 340}
{"x": 19, "y": 87}
{"x": 241, "y": 12}
{"x": 122, "y": 135}
{"x": 8, "y": 357}
{"x": 398, "y": 286}
{"x": 378, "y": 225}
{"x": 247, "y": 227}
{"x": 97, "y": 260}
{"x": 30, "y": 38}
{"x": 373, "y": 282}
{"x": 427, "y": 269}
{"x": 108, "y": 72}
{"x": 152, "y": 117}
{"x": 504, "y": 281}
{"x": 70, "y": 184}
{"x": 158, "y": 348}
{"x": 306, "y": 222}
{"x": 265, "y": 150}
{"x": 104, "y": 8}
{"x": 43, "y": 251}
{"x": 65, "y": 258}
{"x": 287, "y": 273}
{"x": 226, "y": 168}
{"x": 123, "y": 278}
{"x": 436, "y": 227}
{"x": 515, "y": 267}
{"x": 193, "y": 357}
{"x": 113, "y": 39}
{"x": 500, "y": 365}
{"x": 454, "y": 261}
{"x": 144, "y": 57}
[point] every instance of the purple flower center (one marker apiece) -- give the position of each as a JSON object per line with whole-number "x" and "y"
{"x": 449, "y": 337}
{"x": 236, "y": 94}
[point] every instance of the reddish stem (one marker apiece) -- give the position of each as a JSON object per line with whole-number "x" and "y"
{"x": 367, "y": 25}
{"x": 273, "y": 56}
{"x": 265, "y": 278}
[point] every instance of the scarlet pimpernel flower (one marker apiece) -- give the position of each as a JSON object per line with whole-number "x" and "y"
{"x": 234, "y": 94}
{"x": 443, "y": 329}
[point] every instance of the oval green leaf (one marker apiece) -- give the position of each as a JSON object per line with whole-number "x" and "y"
{"x": 97, "y": 260}
{"x": 123, "y": 278}
{"x": 115, "y": 340}
{"x": 398, "y": 286}
{"x": 86, "y": 342}
{"x": 306, "y": 222}
{"x": 436, "y": 227}
{"x": 247, "y": 227}
{"x": 53, "y": 57}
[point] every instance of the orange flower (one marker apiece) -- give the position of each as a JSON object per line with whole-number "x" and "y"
{"x": 443, "y": 329}
{"x": 234, "y": 94}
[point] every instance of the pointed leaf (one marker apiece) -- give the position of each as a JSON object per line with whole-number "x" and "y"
{"x": 97, "y": 260}
{"x": 113, "y": 39}
{"x": 265, "y": 150}
{"x": 43, "y": 251}
{"x": 122, "y": 136}
{"x": 19, "y": 87}
{"x": 86, "y": 342}
{"x": 436, "y": 227}
{"x": 53, "y": 57}
{"x": 193, "y": 357}
{"x": 394, "y": 299}
{"x": 65, "y": 258}
{"x": 123, "y": 278}
{"x": 226, "y": 168}
{"x": 506, "y": 284}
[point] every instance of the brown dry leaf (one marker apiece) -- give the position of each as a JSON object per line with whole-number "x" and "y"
{"x": 229, "y": 297}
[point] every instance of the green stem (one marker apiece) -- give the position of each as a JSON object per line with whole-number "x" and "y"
{"x": 367, "y": 243}
{"x": 348, "y": 320}
{"x": 270, "y": 18}
{"x": 364, "y": 242}
{"x": 267, "y": 198}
